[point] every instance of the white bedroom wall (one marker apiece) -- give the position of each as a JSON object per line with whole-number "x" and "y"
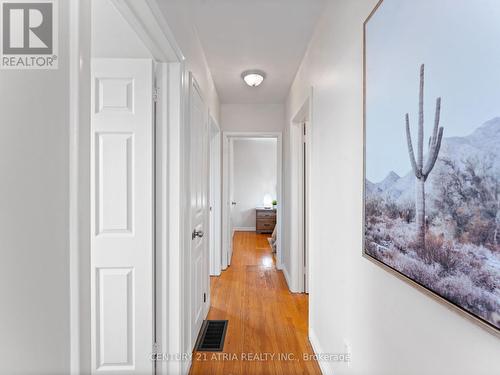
{"x": 391, "y": 328}
{"x": 34, "y": 213}
{"x": 254, "y": 176}
{"x": 252, "y": 117}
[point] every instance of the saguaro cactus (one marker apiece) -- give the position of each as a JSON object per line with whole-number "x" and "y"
{"x": 421, "y": 169}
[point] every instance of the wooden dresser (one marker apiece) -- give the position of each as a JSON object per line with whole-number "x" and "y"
{"x": 265, "y": 220}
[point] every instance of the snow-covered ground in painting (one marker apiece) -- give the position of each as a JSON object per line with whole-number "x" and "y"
{"x": 461, "y": 261}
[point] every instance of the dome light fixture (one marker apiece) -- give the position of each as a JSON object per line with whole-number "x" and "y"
{"x": 253, "y": 78}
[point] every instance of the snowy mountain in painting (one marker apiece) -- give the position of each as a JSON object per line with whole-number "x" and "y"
{"x": 483, "y": 145}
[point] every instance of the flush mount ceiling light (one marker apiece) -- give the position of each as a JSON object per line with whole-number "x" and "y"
{"x": 253, "y": 78}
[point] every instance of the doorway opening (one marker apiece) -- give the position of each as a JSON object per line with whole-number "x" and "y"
{"x": 252, "y": 178}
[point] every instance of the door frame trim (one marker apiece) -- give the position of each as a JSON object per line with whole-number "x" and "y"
{"x": 296, "y": 218}
{"x": 215, "y": 192}
{"x": 146, "y": 19}
{"x": 226, "y": 156}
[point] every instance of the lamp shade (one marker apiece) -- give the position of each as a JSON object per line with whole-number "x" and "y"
{"x": 253, "y": 78}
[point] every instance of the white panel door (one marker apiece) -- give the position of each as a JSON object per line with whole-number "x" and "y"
{"x": 122, "y": 216}
{"x": 199, "y": 272}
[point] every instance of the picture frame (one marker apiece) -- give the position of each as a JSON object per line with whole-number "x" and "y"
{"x": 453, "y": 306}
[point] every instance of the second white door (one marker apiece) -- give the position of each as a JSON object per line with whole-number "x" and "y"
{"x": 199, "y": 166}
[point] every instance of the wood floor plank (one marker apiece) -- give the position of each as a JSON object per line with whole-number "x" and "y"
{"x": 267, "y": 330}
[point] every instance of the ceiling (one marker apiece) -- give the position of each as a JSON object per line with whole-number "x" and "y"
{"x": 270, "y": 35}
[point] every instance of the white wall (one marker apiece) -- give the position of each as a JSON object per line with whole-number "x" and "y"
{"x": 393, "y": 329}
{"x": 112, "y": 36}
{"x": 252, "y": 117}
{"x": 34, "y": 256}
{"x": 254, "y": 176}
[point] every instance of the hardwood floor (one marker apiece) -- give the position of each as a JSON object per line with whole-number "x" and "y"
{"x": 267, "y": 331}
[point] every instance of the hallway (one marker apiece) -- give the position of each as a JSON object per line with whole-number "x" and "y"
{"x": 265, "y": 319}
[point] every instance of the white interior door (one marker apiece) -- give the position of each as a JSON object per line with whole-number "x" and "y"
{"x": 122, "y": 216}
{"x": 199, "y": 273}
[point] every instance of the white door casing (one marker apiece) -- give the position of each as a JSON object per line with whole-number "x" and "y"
{"x": 306, "y": 157}
{"x": 122, "y": 216}
{"x": 232, "y": 202}
{"x": 300, "y": 242}
{"x": 215, "y": 198}
{"x": 226, "y": 202}
{"x": 199, "y": 178}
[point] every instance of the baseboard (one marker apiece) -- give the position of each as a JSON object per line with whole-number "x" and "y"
{"x": 244, "y": 229}
{"x": 279, "y": 265}
{"x": 287, "y": 277}
{"x": 325, "y": 367}
{"x": 288, "y": 280}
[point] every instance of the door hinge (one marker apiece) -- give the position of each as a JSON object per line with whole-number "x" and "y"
{"x": 204, "y": 297}
{"x": 156, "y": 94}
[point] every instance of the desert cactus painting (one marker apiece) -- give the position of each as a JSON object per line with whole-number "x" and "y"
{"x": 420, "y": 169}
{"x": 432, "y": 165}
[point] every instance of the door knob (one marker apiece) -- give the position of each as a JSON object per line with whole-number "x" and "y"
{"x": 233, "y": 203}
{"x": 197, "y": 233}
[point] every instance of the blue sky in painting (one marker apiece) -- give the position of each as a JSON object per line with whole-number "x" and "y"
{"x": 459, "y": 42}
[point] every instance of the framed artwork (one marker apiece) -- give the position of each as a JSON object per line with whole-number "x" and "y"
{"x": 432, "y": 149}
